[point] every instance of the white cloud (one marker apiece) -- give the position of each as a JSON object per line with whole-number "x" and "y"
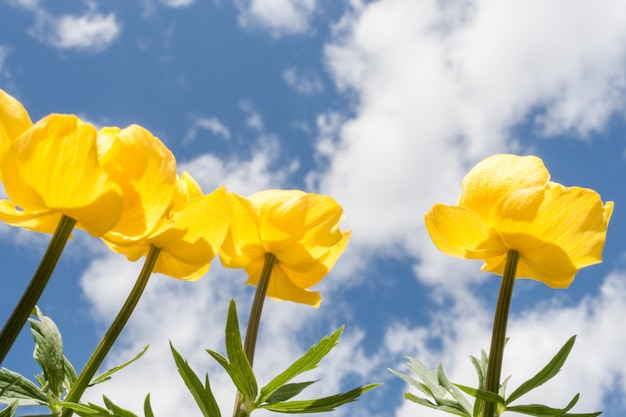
{"x": 177, "y": 3}
{"x": 439, "y": 85}
{"x": 279, "y": 17}
{"x": 254, "y": 119}
{"x": 212, "y": 124}
{"x": 240, "y": 174}
{"x": 302, "y": 83}
{"x": 90, "y": 31}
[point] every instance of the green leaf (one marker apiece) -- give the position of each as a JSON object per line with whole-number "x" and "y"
{"x": 116, "y": 410}
{"x": 307, "y": 362}
{"x": 69, "y": 374}
{"x": 202, "y": 394}
{"x": 84, "y": 410}
{"x": 147, "y": 408}
{"x": 320, "y": 404}
{"x": 426, "y": 403}
{"x": 288, "y": 391}
{"x": 481, "y": 367}
{"x": 14, "y": 386}
{"x": 10, "y": 410}
{"x": 539, "y": 410}
{"x": 48, "y": 352}
{"x": 436, "y": 385}
{"x": 237, "y": 365}
{"x": 107, "y": 375}
{"x": 548, "y": 372}
{"x": 482, "y": 394}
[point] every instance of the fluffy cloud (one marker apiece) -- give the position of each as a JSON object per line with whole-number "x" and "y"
{"x": 89, "y": 31}
{"x": 439, "y": 85}
{"x": 212, "y": 124}
{"x": 301, "y": 82}
{"x": 279, "y": 17}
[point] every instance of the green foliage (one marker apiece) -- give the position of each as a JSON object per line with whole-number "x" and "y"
{"x": 56, "y": 379}
{"x": 201, "y": 393}
{"x": 440, "y": 394}
{"x": 275, "y": 395}
{"x": 110, "y": 409}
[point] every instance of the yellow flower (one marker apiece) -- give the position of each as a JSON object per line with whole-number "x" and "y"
{"x": 146, "y": 171}
{"x": 14, "y": 121}
{"x": 301, "y": 230}
{"x": 188, "y": 236}
{"x": 509, "y": 202}
{"x": 52, "y": 169}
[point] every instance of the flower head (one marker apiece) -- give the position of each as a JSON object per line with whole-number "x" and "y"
{"x": 188, "y": 235}
{"x": 509, "y": 202}
{"x": 301, "y": 230}
{"x": 52, "y": 168}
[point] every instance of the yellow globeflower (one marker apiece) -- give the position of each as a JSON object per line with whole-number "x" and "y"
{"x": 301, "y": 230}
{"x": 188, "y": 236}
{"x": 146, "y": 171}
{"x": 14, "y": 121}
{"x": 509, "y": 202}
{"x": 53, "y": 169}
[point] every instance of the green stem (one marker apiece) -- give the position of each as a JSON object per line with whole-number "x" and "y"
{"x": 98, "y": 355}
{"x": 249, "y": 343}
{"x": 35, "y": 288}
{"x": 498, "y": 335}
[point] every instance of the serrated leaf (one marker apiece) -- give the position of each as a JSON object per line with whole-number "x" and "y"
{"x": 201, "y": 394}
{"x": 237, "y": 365}
{"x": 320, "y": 404}
{"x": 305, "y": 363}
{"x": 14, "y": 386}
{"x": 48, "y": 351}
{"x": 107, "y": 375}
{"x": 288, "y": 391}
{"x": 548, "y": 372}
{"x": 10, "y": 410}
{"x": 147, "y": 408}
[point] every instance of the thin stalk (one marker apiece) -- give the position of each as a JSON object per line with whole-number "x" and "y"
{"x": 98, "y": 355}
{"x": 498, "y": 335}
{"x": 249, "y": 343}
{"x": 37, "y": 284}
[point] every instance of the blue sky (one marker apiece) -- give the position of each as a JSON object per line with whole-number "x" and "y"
{"x": 384, "y": 105}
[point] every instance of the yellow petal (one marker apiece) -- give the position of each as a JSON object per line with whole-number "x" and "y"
{"x": 556, "y": 229}
{"x": 195, "y": 233}
{"x": 45, "y": 221}
{"x": 186, "y": 188}
{"x": 146, "y": 171}
{"x": 242, "y": 245}
{"x": 306, "y": 271}
{"x": 14, "y": 121}
{"x": 54, "y": 166}
{"x": 292, "y": 215}
{"x": 499, "y": 175}
{"x": 462, "y": 232}
{"x": 168, "y": 264}
{"x": 281, "y": 286}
